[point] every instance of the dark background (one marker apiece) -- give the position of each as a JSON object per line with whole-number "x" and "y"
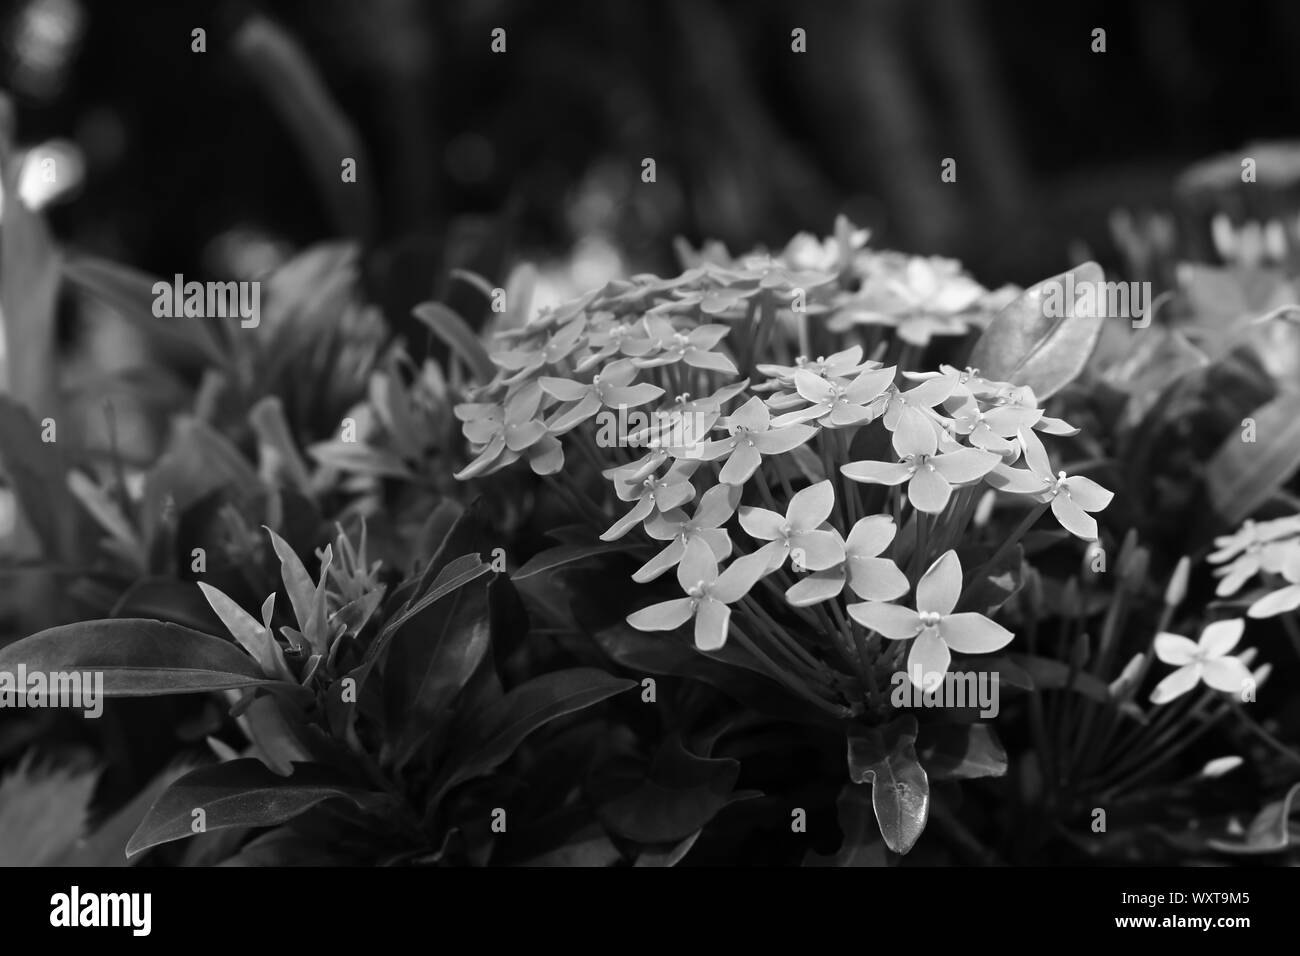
{"x": 532, "y": 150}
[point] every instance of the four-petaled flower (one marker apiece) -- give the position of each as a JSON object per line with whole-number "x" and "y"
{"x": 990, "y": 429}
{"x": 652, "y": 494}
{"x": 708, "y": 592}
{"x": 1255, "y": 546}
{"x": 715, "y": 508}
{"x": 1071, "y": 496}
{"x": 798, "y": 532}
{"x": 835, "y": 405}
{"x": 1206, "y": 659}
{"x": 869, "y": 576}
{"x": 524, "y": 362}
{"x": 752, "y": 437}
{"x": 930, "y": 476}
{"x": 693, "y": 347}
{"x": 933, "y": 628}
{"x": 611, "y": 388}
{"x": 1285, "y": 598}
{"x": 506, "y": 433}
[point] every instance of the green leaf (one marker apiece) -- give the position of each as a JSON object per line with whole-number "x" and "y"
{"x": 324, "y": 134}
{"x": 37, "y": 472}
{"x": 1243, "y": 475}
{"x": 297, "y": 582}
{"x": 29, "y": 286}
{"x": 900, "y": 789}
{"x": 452, "y": 330}
{"x": 562, "y": 556}
{"x": 130, "y": 293}
{"x": 166, "y": 599}
{"x": 679, "y": 795}
{"x": 138, "y": 658}
{"x": 1270, "y": 832}
{"x": 961, "y": 752}
{"x": 1026, "y": 346}
{"x": 106, "y": 846}
{"x": 43, "y": 812}
{"x": 862, "y": 845}
{"x": 1049, "y": 674}
{"x": 430, "y": 659}
{"x": 240, "y": 793}
{"x": 198, "y": 462}
{"x": 504, "y": 724}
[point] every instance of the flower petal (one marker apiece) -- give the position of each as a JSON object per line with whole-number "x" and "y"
{"x": 811, "y": 506}
{"x": 742, "y": 464}
{"x": 1034, "y": 452}
{"x": 1176, "y": 684}
{"x": 753, "y": 416}
{"x": 1278, "y": 602}
{"x": 715, "y": 507}
{"x": 876, "y": 579}
{"x": 711, "y": 621}
{"x": 969, "y": 464}
{"x": 929, "y": 656}
{"x": 1073, "y": 518}
{"x": 877, "y": 472}
{"x": 661, "y": 562}
{"x": 1087, "y": 494}
{"x": 698, "y": 565}
{"x": 972, "y": 633}
{"x": 778, "y": 441}
{"x": 940, "y": 586}
{"x": 889, "y": 620}
{"x": 739, "y": 577}
{"x": 914, "y": 434}
{"x": 1219, "y": 638}
{"x": 1227, "y": 674}
{"x": 761, "y": 524}
{"x": 870, "y": 536}
{"x": 817, "y": 550}
{"x": 1175, "y": 649}
{"x": 663, "y": 617}
{"x": 928, "y": 491}
{"x": 812, "y": 387}
{"x": 816, "y": 588}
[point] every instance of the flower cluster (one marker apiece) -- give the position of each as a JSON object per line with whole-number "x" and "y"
{"x": 1271, "y": 548}
{"x": 808, "y": 473}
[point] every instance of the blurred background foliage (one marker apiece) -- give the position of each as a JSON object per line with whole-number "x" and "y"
{"x": 190, "y": 168}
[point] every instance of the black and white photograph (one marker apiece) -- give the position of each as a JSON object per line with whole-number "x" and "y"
{"x": 681, "y": 433}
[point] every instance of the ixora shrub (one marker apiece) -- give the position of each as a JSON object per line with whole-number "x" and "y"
{"x": 828, "y": 510}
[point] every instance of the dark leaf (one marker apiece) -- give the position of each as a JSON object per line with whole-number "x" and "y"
{"x": 138, "y": 658}
{"x": 961, "y": 752}
{"x": 1026, "y": 346}
{"x": 240, "y": 793}
{"x": 1243, "y": 475}
{"x": 678, "y": 796}
{"x": 862, "y": 845}
{"x": 505, "y": 723}
{"x": 451, "y": 329}
{"x": 900, "y": 790}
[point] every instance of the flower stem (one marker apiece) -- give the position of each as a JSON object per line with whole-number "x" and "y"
{"x": 1255, "y": 727}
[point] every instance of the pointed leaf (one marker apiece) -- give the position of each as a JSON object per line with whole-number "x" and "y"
{"x": 1026, "y": 346}
{"x": 138, "y": 658}
{"x": 900, "y": 790}
{"x": 240, "y": 793}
